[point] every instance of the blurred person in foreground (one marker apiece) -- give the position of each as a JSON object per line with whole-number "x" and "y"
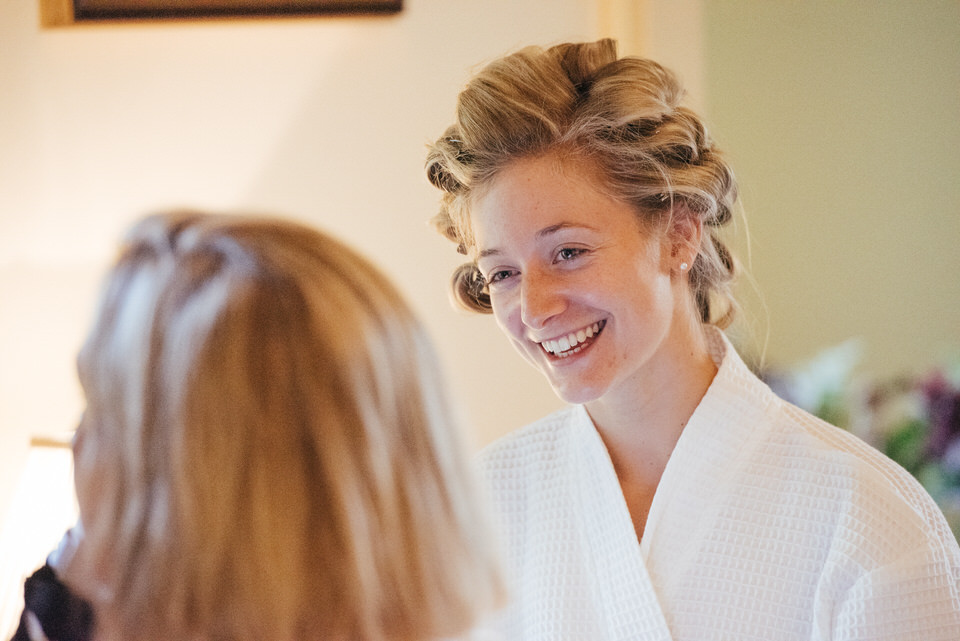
{"x": 267, "y": 452}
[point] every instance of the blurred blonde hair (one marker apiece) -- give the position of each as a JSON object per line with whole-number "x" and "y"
{"x": 623, "y": 114}
{"x": 268, "y": 451}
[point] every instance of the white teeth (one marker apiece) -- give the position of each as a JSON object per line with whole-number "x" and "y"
{"x": 570, "y": 341}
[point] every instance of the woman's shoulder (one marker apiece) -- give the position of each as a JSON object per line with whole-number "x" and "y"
{"x": 876, "y": 501}
{"x": 835, "y": 452}
{"x": 804, "y": 465}
{"x": 60, "y": 614}
{"x": 817, "y": 459}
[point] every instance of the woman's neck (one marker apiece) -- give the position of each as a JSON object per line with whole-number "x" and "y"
{"x": 641, "y": 422}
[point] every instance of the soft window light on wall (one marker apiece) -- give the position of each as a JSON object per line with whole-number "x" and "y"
{"x": 65, "y": 12}
{"x": 43, "y": 508}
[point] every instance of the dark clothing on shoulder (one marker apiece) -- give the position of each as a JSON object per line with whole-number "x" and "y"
{"x": 62, "y": 615}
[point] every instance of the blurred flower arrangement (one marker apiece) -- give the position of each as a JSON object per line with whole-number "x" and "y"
{"x": 915, "y": 420}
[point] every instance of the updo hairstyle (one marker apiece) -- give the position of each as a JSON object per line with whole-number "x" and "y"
{"x": 622, "y": 114}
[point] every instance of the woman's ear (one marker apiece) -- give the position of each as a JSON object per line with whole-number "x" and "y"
{"x": 686, "y": 233}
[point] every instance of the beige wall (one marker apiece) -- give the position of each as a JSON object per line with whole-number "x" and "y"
{"x": 326, "y": 119}
{"x": 843, "y": 121}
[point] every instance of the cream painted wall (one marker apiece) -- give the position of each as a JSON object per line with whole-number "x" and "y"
{"x": 843, "y": 121}
{"x": 324, "y": 119}
{"x": 669, "y": 31}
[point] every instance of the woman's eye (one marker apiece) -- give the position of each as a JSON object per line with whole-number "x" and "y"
{"x": 569, "y": 253}
{"x": 498, "y": 276}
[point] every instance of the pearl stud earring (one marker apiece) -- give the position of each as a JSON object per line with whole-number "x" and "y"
{"x": 683, "y": 267}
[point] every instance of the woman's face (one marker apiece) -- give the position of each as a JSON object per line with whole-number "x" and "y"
{"x": 582, "y": 292}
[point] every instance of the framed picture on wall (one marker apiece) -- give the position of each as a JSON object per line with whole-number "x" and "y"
{"x": 63, "y": 12}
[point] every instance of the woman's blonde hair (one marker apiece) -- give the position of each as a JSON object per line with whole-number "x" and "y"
{"x": 268, "y": 448}
{"x": 624, "y": 115}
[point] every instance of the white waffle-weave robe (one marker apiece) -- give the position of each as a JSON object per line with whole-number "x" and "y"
{"x": 768, "y": 525}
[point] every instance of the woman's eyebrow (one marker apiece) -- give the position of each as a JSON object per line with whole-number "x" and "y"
{"x": 552, "y": 229}
{"x": 542, "y": 233}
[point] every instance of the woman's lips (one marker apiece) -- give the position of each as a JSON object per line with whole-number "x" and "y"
{"x": 571, "y": 343}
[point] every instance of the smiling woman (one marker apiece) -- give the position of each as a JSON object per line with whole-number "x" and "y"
{"x": 676, "y": 497}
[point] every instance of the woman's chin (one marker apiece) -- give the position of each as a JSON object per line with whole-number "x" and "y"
{"x": 575, "y": 394}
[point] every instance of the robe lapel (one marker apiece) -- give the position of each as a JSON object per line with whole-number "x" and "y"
{"x": 621, "y": 585}
{"x": 689, "y": 520}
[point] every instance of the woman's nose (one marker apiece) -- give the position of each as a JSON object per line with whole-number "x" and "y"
{"x": 541, "y": 299}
